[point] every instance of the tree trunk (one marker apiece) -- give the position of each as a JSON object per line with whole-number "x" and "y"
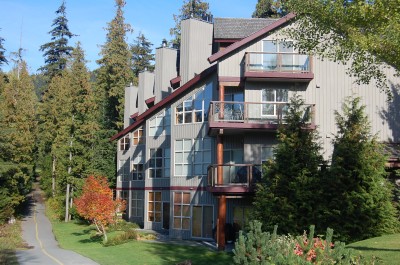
{"x": 71, "y": 202}
{"x": 67, "y": 203}
{"x": 53, "y": 177}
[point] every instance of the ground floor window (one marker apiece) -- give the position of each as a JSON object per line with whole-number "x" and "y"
{"x": 240, "y": 217}
{"x": 137, "y": 203}
{"x": 202, "y": 221}
{"x": 182, "y": 210}
{"x": 154, "y": 210}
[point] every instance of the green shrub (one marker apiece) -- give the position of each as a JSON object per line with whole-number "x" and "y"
{"x": 56, "y": 207}
{"x": 257, "y": 247}
{"x": 122, "y": 225}
{"x": 126, "y": 236}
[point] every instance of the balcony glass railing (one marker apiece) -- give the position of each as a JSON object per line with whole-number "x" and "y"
{"x": 233, "y": 175}
{"x": 277, "y": 62}
{"x": 252, "y": 112}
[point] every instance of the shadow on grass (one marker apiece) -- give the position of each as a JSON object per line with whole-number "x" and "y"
{"x": 7, "y": 257}
{"x": 173, "y": 253}
{"x": 374, "y": 249}
{"x": 94, "y": 239}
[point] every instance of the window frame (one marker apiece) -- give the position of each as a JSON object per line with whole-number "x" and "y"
{"x": 264, "y": 91}
{"x": 137, "y": 169}
{"x": 124, "y": 176}
{"x": 164, "y": 125}
{"x": 138, "y": 137}
{"x": 165, "y": 159}
{"x": 153, "y": 201}
{"x": 179, "y": 203}
{"x": 124, "y": 143}
{"x": 136, "y": 200}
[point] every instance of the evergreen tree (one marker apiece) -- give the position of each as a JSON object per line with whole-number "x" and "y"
{"x": 360, "y": 198}
{"x": 190, "y": 8}
{"x": 289, "y": 193}
{"x": 142, "y": 56}
{"x": 3, "y": 59}
{"x": 17, "y": 139}
{"x": 57, "y": 51}
{"x": 270, "y": 9}
{"x": 115, "y": 71}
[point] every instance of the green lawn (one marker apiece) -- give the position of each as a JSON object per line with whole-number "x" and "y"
{"x": 76, "y": 237}
{"x": 387, "y": 248}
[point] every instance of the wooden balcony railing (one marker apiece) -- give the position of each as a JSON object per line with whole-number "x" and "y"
{"x": 234, "y": 178}
{"x": 225, "y": 112}
{"x": 277, "y": 62}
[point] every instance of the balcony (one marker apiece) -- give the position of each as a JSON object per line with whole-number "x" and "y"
{"x": 236, "y": 179}
{"x": 237, "y": 116}
{"x": 278, "y": 67}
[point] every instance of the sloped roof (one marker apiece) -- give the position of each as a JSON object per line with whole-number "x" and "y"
{"x": 258, "y": 34}
{"x": 239, "y": 28}
{"x": 169, "y": 99}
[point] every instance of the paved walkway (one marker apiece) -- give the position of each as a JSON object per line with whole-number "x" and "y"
{"x": 37, "y": 233}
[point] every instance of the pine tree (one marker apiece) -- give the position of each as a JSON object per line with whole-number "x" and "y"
{"x": 359, "y": 194}
{"x": 142, "y": 56}
{"x": 115, "y": 71}
{"x": 270, "y": 9}
{"x": 289, "y": 191}
{"x": 17, "y": 139}
{"x": 190, "y": 8}
{"x": 3, "y": 59}
{"x": 57, "y": 51}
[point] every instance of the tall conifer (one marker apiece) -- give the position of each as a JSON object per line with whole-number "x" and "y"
{"x": 57, "y": 51}
{"x": 142, "y": 57}
{"x": 3, "y": 59}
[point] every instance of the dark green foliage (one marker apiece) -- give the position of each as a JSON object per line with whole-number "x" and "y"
{"x": 57, "y": 51}
{"x": 270, "y": 9}
{"x": 17, "y": 139}
{"x": 257, "y": 247}
{"x": 290, "y": 193}
{"x": 142, "y": 57}
{"x": 190, "y": 8}
{"x": 360, "y": 199}
{"x": 3, "y": 59}
{"x": 115, "y": 72}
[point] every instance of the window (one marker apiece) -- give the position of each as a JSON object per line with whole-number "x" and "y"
{"x": 241, "y": 216}
{"x": 267, "y": 152}
{"x": 124, "y": 170}
{"x": 137, "y": 203}
{"x": 123, "y": 195}
{"x": 138, "y": 137}
{"x": 278, "y": 55}
{"x": 137, "y": 171}
{"x": 195, "y": 108}
{"x": 159, "y": 165}
{"x": 160, "y": 124}
{"x": 192, "y": 156}
{"x": 154, "y": 211}
{"x": 182, "y": 210}
{"x": 276, "y": 102}
{"x": 124, "y": 143}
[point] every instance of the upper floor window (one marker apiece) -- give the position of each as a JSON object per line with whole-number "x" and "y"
{"x": 195, "y": 108}
{"x": 123, "y": 171}
{"x": 192, "y": 156}
{"x": 138, "y": 137}
{"x": 273, "y": 46}
{"x": 124, "y": 143}
{"x": 161, "y": 123}
{"x": 159, "y": 165}
{"x": 275, "y": 102}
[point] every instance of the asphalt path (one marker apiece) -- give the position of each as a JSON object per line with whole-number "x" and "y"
{"x": 43, "y": 247}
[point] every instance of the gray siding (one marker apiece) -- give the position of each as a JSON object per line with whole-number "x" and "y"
{"x": 165, "y": 70}
{"x": 146, "y": 89}
{"x": 196, "y": 47}
{"x": 131, "y": 93}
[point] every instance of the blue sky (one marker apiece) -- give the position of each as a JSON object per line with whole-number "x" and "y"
{"x": 29, "y": 21}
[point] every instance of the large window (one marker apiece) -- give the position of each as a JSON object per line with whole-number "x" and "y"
{"x": 124, "y": 170}
{"x": 192, "y": 156}
{"x": 138, "y": 137}
{"x": 137, "y": 171}
{"x": 124, "y": 143}
{"x": 182, "y": 210}
{"x": 137, "y": 203}
{"x": 159, "y": 164}
{"x": 154, "y": 211}
{"x": 195, "y": 108}
{"x": 275, "y": 102}
{"x": 160, "y": 124}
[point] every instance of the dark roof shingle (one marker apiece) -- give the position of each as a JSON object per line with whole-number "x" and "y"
{"x": 238, "y": 28}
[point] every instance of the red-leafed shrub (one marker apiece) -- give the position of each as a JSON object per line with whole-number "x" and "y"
{"x": 96, "y": 204}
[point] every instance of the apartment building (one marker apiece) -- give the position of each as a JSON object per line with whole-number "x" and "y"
{"x": 198, "y": 128}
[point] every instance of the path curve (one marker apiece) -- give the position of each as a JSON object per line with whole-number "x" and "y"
{"x": 37, "y": 233}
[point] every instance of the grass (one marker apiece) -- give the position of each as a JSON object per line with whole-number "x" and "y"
{"x": 386, "y": 248}
{"x": 10, "y": 240}
{"x": 77, "y": 237}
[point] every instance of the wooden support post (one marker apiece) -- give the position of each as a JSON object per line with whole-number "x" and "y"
{"x": 221, "y": 222}
{"x": 221, "y": 100}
